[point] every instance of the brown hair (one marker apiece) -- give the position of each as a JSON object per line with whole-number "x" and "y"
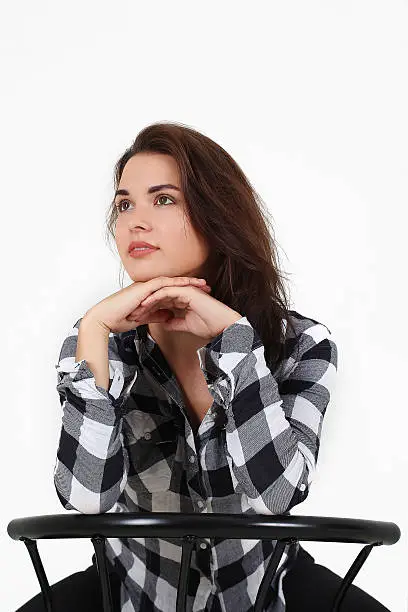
{"x": 225, "y": 209}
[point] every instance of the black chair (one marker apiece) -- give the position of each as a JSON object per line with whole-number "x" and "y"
{"x": 283, "y": 528}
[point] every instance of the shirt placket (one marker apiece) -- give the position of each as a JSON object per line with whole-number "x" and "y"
{"x": 194, "y": 480}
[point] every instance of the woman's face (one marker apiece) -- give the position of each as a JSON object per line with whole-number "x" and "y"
{"x": 159, "y": 218}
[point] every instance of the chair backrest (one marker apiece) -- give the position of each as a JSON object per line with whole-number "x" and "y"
{"x": 283, "y": 528}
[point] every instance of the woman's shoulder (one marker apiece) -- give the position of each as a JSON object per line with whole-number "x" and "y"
{"x": 301, "y": 323}
{"x": 305, "y": 338}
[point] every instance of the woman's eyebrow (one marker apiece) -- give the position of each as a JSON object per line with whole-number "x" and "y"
{"x": 151, "y": 189}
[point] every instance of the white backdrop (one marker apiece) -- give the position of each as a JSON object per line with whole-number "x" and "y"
{"x": 310, "y": 98}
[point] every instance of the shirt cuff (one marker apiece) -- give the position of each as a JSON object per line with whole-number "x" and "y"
{"x": 83, "y": 380}
{"x": 220, "y": 358}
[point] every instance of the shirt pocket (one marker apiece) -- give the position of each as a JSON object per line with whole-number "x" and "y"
{"x": 151, "y": 441}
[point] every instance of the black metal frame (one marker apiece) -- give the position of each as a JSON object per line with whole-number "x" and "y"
{"x": 283, "y": 528}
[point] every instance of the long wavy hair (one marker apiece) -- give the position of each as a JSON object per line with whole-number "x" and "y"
{"x": 224, "y": 207}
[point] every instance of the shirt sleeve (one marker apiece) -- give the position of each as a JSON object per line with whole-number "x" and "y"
{"x": 92, "y": 463}
{"x": 272, "y": 432}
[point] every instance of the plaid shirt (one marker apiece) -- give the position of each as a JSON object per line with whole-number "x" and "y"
{"x": 131, "y": 448}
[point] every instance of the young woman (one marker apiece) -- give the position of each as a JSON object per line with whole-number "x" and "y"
{"x": 188, "y": 395}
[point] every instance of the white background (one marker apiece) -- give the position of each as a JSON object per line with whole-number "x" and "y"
{"x": 311, "y": 100}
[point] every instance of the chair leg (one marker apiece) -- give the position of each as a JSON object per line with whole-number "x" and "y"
{"x": 186, "y": 550}
{"x": 39, "y": 570}
{"x": 351, "y": 574}
{"x": 101, "y": 565}
{"x": 269, "y": 575}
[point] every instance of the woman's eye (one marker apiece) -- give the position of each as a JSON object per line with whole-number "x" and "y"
{"x": 118, "y": 205}
{"x": 166, "y": 197}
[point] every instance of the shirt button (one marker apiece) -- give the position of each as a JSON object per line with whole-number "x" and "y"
{"x": 200, "y": 504}
{"x": 302, "y": 487}
{"x": 147, "y": 435}
{"x": 203, "y": 545}
{"x": 192, "y": 459}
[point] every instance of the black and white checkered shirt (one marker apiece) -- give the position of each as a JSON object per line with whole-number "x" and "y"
{"x": 132, "y": 449}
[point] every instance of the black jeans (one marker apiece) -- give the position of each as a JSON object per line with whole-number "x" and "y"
{"x": 308, "y": 587}
{"x": 79, "y": 592}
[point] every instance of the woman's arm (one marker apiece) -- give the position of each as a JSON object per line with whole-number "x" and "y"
{"x": 92, "y": 464}
{"x": 273, "y": 434}
{"x": 92, "y": 345}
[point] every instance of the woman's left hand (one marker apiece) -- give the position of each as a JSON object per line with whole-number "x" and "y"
{"x": 200, "y": 313}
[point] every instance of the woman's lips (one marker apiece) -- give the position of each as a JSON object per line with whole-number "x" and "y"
{"x": 140, "y": 253}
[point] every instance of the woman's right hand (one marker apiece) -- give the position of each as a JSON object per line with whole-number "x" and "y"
{"x": 112, "y": 312}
